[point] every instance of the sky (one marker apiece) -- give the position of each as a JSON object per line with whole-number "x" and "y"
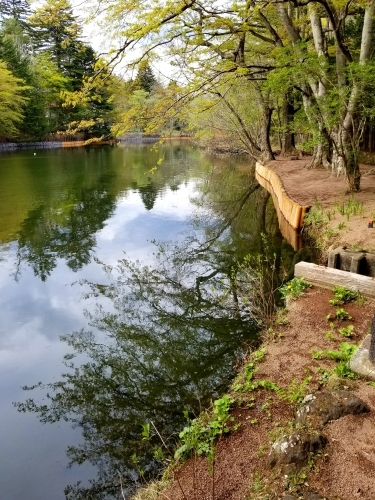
{"x": 101, "y": 43}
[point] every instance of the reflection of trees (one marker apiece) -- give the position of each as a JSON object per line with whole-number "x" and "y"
{"x": 67, "y": 232}
{"x": 148, "y": 194}
{"x": 167, "y": 348}
{"x": 172, "y": 332}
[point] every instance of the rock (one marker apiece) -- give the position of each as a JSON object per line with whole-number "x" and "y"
{"x": 360, "y": 362}
{"x": 320, "y": 408}
{"x": 312, "y": 495}
{"x": 306, "y": 495}
{"x": 296, "y": 448}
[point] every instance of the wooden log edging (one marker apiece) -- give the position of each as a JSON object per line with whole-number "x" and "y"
{"x": 292, "y": 212}
{"x": 327, "y": 277}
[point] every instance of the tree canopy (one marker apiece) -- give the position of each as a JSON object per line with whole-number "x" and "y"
{"x": 308, "y": 61}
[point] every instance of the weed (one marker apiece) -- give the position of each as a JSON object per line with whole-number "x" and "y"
{"x": 316, "y": 354}
{"x": 281, "y": 317}
{"x": 343, "y": 295}
{"x": 330, "y": 335}
{"x": 294, "y": 288}
{"x": 342, "y": 356}
{"x": 199, "y": 436}
{"x": 350, "y": 207}
{"x": 347, "y": 331}
{"x": 341, "y": 226}
{"x": 258, "y": 490}
{"x": 263, "y": 448}
{"x": 342, "y": 314}
{"x": 296, "y": 390}
{"x": 361, "y": 300}
{"x": 330, "y": 233}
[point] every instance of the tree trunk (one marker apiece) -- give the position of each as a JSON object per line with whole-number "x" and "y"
{"x": 345, "y": 159}
{"x": 265, "y": 140}
{"x": 287, "y": 139}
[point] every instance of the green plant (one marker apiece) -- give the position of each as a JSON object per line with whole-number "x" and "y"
{"x": 200, "y": 435}
{"x": 330, "y": 335}
{"x": 350, "y": 207}
{"x": 342, "y": 356}
{"x": 316, "y": 216}
{"x": 281, "y": 317}
{"x": 342, "y": 314}
{"x": 296, "y": 391}
{"x": 294, "y": 288}
{"x": 244, "y": 380}
{"x": 347, "y": 331}
{"x": 361, "y": 300}
{"x": 316, "y": 354}
{"x": 343, "y": 295}
{"x": 341, "y": 225}
{"x": 331, "y": 232}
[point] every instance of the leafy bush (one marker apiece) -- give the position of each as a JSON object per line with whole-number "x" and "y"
{"x": 199, "y": 436}
{"x": 343, "y": 295}
{"x": 294, "y": 288}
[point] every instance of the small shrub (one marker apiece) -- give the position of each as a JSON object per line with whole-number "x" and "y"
{"x": 342, "y": 314}
{"x": 294, "y": 288}
{"x": 347, "y": 331}
{"x": 343, "y": 295}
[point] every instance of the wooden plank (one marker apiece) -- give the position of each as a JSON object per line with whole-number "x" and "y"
{"x": 327, "y": 277}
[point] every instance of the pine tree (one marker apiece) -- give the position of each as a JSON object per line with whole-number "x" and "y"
{"x": 145, "y": 79}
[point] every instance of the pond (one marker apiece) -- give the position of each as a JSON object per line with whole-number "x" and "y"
{"x": 119, "y": 307}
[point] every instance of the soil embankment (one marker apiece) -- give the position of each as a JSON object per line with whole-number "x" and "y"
{"x": 307, "y": 186}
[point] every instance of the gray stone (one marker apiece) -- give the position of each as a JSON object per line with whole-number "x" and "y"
{"x": 371, "y": 353}
{"x": 296, "y": 448}
{"x": 320, "y": 408}
{"x": 360, "y": 362}
{"x": 352, "y": 260}
{"x": 312, "y": 495}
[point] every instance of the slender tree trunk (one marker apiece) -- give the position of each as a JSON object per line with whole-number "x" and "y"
{"x": 287, "y": 139}
{"x": 345, "y": 158}
{"x": 265, "y": 140}
{"x": 266, "y": 153}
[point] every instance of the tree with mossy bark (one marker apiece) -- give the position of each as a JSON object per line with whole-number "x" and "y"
{"x": 331, "y": 65}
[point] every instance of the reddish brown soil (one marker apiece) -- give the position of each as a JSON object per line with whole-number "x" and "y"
{"x": 346, "y": 469}
{"x": 306, "y": 185}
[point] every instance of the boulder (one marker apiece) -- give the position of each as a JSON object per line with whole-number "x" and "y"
{"x": 296, "y": 448}
{"x": 320, "y": 408}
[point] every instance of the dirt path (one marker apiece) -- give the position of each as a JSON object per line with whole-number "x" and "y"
{"x": 305, "y": 186}
{"x": 345, "y": 470}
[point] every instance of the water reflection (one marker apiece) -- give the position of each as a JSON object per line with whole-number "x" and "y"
{"x": 164, "y": 336}
{"x": 66, "y": 231}
{"x": 54, "y": 204}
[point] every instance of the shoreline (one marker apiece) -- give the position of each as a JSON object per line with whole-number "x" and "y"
{"x": 241, "y": 467}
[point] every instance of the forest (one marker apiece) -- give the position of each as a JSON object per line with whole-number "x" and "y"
{"x": 261, "y": 76}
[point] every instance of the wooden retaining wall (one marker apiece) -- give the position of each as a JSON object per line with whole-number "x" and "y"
{"x": 292, "y": 212}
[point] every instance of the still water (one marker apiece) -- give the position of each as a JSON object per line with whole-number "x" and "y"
{"x": 117, "y": 307}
